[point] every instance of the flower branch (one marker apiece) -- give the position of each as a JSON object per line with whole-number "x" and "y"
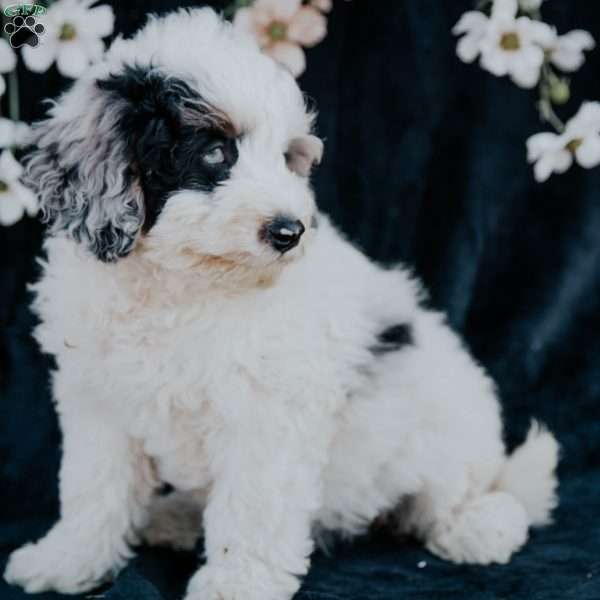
{"x": 510, "y": 39}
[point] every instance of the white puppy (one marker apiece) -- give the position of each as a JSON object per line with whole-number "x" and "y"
{"x": 215, "y": 332}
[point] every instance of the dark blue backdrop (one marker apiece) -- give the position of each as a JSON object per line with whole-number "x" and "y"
{"x": 425, "y": 163}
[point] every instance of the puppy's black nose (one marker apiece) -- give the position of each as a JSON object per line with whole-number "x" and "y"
{"x": 283, "y": 233}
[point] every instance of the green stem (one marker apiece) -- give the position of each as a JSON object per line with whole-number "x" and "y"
{"x": 547, "y": 114}
{"x": 483, "y": 4}
{"x": 13, "y": 95}
{"x": 230, "y": 10}
{"x": 545, "y": 107}
{"x": 12, "y": 85}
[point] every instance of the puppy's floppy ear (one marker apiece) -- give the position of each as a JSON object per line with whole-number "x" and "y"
{"x": 303, "y": 153}
{"x": 91, "y": 167}
{"x": 82, "y": 175}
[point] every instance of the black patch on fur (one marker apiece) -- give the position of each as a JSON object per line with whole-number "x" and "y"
{"x": 169, "y": 128}
{"x": 393, "y": 338}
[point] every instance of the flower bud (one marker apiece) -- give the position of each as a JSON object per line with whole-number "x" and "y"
{"x": 560, "y": 91}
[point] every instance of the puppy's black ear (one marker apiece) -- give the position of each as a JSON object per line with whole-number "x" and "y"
{"x": 87, "y": 168}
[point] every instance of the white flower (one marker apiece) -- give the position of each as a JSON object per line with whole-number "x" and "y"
{"x": 13, "y": 133}
{"x": 73, "y": 37}
{"x": 553, "y": 153}
{"x": 8, "y": 61}
{"x": 282, "y": 27}
{"x": 508, "y": 45}
{"x": 530, "y": 5}
{"x": 567, "y": 50}
{"x": 473, "y": 25}
{"x": 15, "y": 198}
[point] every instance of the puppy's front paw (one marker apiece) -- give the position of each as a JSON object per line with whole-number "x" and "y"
{"x": 249, "y": 581}
{"x": 52, "y": 565}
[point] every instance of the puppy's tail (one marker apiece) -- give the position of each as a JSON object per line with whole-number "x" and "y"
{"x": 529, "y": 474}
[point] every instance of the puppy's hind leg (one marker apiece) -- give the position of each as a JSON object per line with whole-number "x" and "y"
{"x": 474, "y": 504}
{"x": 490, "y": 527}
{"x": 105, "y": 485}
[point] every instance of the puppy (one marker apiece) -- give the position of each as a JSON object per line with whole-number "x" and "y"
{"x": 213, "y": 331}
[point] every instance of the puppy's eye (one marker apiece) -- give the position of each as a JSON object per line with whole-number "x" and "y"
{"x": 215, "y": 156}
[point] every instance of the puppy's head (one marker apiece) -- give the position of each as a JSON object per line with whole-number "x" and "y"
{"x": 186, "y": 146}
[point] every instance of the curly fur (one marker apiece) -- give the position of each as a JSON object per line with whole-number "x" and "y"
{"x": 84, "y": 182}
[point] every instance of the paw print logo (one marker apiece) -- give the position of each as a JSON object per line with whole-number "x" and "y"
{"x": 24, "y": 30}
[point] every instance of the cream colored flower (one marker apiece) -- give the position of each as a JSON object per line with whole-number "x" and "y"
{"x": 73, "y": 37}
{"x": 8, "y": 61}
{"x": 282, "y": 27}
{"x": 508, "y": 45}
{"x": 580, "y": 142}
{"x": 567, "y": 50}
{"x": 15, "y": 198}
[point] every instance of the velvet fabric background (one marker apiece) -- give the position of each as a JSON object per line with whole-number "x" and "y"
{"x": 424, "y": 164}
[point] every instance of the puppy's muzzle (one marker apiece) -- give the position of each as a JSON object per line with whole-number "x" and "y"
{"x": 283, "y": 233}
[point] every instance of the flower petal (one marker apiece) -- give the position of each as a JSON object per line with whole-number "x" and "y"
{"x": 537, "y": 31}
{"x": 585, "y": 122}
{"x": 468, "y": 47}
{"x": 7, "y": 133}
{"x": 541, "y": 143}
{"x": 562, "y": 161}
{"x": 471, "y": 22}
{"x": 72, "y": 59}
{"x": 11, "y": 209}
{"x": 22, "y": 134}
{"x": 244, "y": 20}
{"x": 504, "y": 9}
{"x": 495, "y": 61}
{"x": 566, "y": 60}
{"x": 92, "y": 48}
{"x": 26, "y": 197}
{"x": 308, "y": 27}
{"x": 40, "y": 58}
{"x": 281, "y": 10}
{"x": 578, "y": 40}
{"x": 290, "y": 56}
{"x": 567, "y": 54}
{"x": 8, "y": 58}
{"x": 588, "y": 153}
{"x": 100, "y": 21}
{"x": 10, "y": 168}
{"x": 549, "y": 163}
{"x": 525, "y": 69}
